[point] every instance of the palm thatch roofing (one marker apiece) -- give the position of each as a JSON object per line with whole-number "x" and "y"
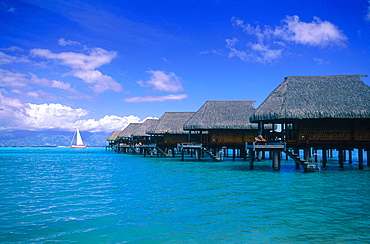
{"x": 114, "y": 136}
{"x": 129, "y": 130}
{"x": 222, "y": 115}
{"x": 316, "y": 97}
{"x": 171, "y": 123}
{"x": 141, "y": 131}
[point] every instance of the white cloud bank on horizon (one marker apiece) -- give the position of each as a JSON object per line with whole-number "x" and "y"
{"x": 271, "y": 42}
{"x": 16, "y": 115}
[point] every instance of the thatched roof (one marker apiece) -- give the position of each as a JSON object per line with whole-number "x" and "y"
{"x": 114, "y": 136}
{"x": 129, "y": 130}
{"x": 316, "y": 97}
{"x": 141, "y": 131}
{"x": 171, "y": 123}
{"x": 222, "y": 115}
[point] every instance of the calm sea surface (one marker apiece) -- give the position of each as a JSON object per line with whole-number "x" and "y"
{"x": 93, "y": 196}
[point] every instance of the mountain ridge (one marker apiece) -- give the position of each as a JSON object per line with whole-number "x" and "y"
{"x": 27, "y": 138}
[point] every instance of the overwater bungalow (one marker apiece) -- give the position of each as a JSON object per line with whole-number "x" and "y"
{"x": 222, "y": 125}
{"x": 168, "y": 132}
{"x": 319, "y": 112}
{"x": 112, "y": 140}
{"x": 139, "y": 136}
{"x": 125, "y": 139}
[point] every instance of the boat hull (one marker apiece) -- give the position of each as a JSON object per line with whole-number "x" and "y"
{"x": 77, "y": 146}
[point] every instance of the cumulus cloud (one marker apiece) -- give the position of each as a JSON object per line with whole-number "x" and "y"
{"x": 156, "y": 98}
{"x": 107, "y": 124}
{"x": 162, "y": 81}
{"x": 84, "y": 66}
{"x": 14, "y": 114}
{"x": 272, "y": 41}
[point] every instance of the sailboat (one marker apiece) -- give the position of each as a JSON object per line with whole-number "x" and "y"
{"x": 77, "y": 140}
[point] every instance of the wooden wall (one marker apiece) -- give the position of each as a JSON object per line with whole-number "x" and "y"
{"x": 231, "y": 136}
{"x": 334, "y": 130}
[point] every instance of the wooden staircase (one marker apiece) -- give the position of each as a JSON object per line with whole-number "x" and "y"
{"x": 212, "y": 155}
{"x": 306, "y": 166}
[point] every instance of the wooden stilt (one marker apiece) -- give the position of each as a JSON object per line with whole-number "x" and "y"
{"x": 296, "y": 151}
{"x": 340, "y": 158}
{"x": 360, "y": 159}
{"x": 350, "y": 156}
{"x": 324, "y": 157}
{"x": 251, "y": 159}
{"x": 276, "y": 159}
{"x": 307, "y": 154}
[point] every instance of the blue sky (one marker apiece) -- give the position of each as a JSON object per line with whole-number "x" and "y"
{"x": 99, "y": 65}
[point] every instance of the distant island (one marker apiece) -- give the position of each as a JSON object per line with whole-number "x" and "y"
{"x": 51, "y": 138}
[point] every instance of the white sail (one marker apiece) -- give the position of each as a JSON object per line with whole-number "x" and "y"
{"x": 77, "y": 140}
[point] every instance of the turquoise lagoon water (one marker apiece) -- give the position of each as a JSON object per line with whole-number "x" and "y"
{"x": 93, "y": 196}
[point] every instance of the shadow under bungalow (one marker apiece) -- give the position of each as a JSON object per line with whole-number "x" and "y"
{"x": 303, "y": 115}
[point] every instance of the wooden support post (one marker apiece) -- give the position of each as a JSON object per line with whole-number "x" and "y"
{"x": 197, "y": 154}
{"x": 251, "y": 159}
{"x": 350, "y": 156}
{"x": 324, "y": 157}
{"x": 276, "y": 159}
{"x": 234, "y": 151}
{"x": 296, "y": 151}
{"x": 340, "y": 158}
{"x": 182, "y": 154}
{"x": 243, "y": 154}
{"x": 360, "y": 159}
{"x": 307, "y": 154}
{"x": 368, "y": 157}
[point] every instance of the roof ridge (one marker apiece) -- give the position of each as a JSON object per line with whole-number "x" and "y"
{"x": 235, "y": 101}
{"x": 314, "y": 76}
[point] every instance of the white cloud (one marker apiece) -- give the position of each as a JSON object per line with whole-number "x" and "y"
{"x": 156, "y": 98}
{"x": 101, "y": 82}
{"x": 163, "y": 82}
{"x": 257, "y": 52}
{"x": 24, "y": 82}
{"x": 315, "y": 33}
{"x": 15, "y": 114}
{"x": 51, "y": 116}
{"x": 8, "y": 59}
{"x": 84, "y": 66}
{"x": 108, "y": 123}
{"x": 11, "y": 79}
{"x": 271, "y": 42}
{"x": 96, "y": 58}
{"x": 64, "y": 42}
